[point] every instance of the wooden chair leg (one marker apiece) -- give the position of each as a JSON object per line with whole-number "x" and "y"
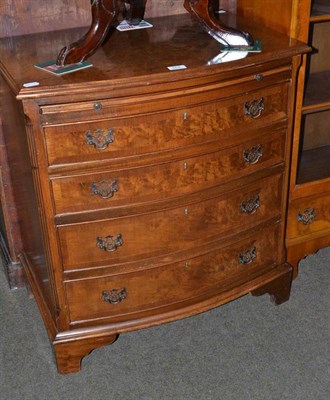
{"x": 202, "y": 10}
{"x": 136, "y": 11}
{"x": 104, "y": 12}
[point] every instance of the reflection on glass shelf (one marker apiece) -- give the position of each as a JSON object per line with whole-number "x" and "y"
{"x": 317, "y": 89}
{"x": 314, "y": 164}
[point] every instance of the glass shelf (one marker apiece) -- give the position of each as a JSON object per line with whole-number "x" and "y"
{"x": 314, "y": 164}
{"x": 317, "y": 92}
{"x": 314, "y": 154}
{"x": 314, "y": 158}
{"x": 320, "y": 11}
{"x": 319, "y": 17}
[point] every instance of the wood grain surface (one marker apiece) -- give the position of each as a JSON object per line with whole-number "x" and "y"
{"x": 19, "y": 17}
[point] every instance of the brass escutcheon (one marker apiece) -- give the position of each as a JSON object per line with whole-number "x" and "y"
{"x": 248, "y": 256}
{"x": 254, "y": 108}
{"x": 110, "y": 243}
{"x": 105, "y": 189}
{"x": 114, "y": 296}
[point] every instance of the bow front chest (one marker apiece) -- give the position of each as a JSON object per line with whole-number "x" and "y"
{"x": 143, "y": 194}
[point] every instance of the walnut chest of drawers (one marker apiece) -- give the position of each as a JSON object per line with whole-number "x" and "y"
{"x": 146, "y": 195}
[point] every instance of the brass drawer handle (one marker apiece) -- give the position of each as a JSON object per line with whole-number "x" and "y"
{"x": 248, "y": 256}
{"x": 250, "y": 206}
{"x": 100, "y": 138}
{"x": 114, "y": 296}
{"x": 253, "y": 154}
{"x": 254, "y": 108}
{"x": 109, "y": 243}
{"x": 307, "y": 216}
{"x": 105, "y": 189}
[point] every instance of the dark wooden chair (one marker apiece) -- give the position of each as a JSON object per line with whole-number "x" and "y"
{"x": 105, "y": 13}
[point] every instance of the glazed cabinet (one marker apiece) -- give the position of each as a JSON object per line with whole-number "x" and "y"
{"x": 309, "y": 210}
{"x": 308, "y": 225}
{"x": 144, "y": 194}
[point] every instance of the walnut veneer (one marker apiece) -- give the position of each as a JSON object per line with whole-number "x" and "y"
{"x": 147, "y": 195}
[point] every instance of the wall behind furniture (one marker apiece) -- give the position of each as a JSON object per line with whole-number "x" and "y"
{"x": 20, "y": 17}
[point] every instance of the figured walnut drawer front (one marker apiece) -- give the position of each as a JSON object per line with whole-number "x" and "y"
{"x": 308, "y": 216}
{"x": 123, "y": 137}
{"x": 109, "y": 297}
{"x": 138, "y": 185}
{"x": 122, "y": 240}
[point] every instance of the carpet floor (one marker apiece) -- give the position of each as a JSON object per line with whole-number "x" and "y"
{"x": 247, "y": 349}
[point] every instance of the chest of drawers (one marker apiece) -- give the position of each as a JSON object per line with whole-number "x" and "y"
{"x": 150, "y": 195}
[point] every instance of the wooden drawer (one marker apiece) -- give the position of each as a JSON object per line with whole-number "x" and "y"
{"x": 166, "y": 130}
{"x": 123, "y": 240}
{"x": 114, "y": 296}
{"x": 133, "y": 186}
{"x": 308, "y": 216}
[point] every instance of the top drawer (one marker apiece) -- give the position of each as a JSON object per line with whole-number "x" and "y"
{"x": 157, "y": 132}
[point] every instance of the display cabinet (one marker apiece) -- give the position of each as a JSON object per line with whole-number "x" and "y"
{"x": 308, "y": 225}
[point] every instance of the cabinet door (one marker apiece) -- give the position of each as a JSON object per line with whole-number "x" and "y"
{"x": 308, "y": 217}
{"x": 314, "y": 155}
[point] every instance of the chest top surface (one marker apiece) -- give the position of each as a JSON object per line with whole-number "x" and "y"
{"x": 134, "y": 58}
